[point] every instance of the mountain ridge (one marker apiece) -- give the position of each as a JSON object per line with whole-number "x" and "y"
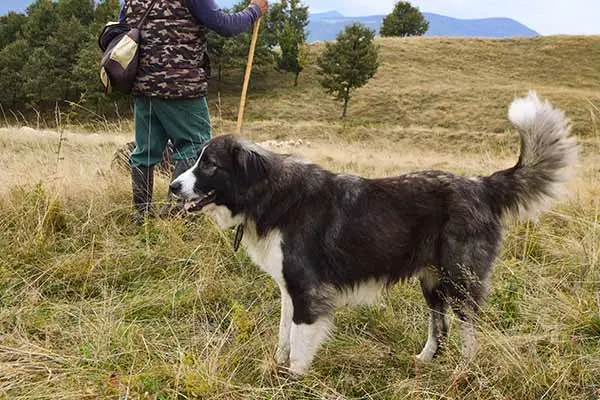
{"x": 326, "y": 25}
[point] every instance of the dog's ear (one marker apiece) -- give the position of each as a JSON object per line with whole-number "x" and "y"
{"x": 249, "y": 164}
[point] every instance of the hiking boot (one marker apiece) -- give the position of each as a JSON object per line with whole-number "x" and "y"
{"x": 142, "y": 183}
{"x": 174, "y": 206}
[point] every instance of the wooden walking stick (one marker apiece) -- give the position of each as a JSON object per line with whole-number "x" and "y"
{"x": 247, "y": 77}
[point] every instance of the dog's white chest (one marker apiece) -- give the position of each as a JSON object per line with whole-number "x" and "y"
{"x": 265, "y": 252}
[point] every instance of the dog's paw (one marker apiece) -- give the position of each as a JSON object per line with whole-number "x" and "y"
{"x": 282, "y": 356}
{"x": 424, "y": 356}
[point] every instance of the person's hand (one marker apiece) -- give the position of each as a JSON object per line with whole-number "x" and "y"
{"x": 263, "y": 4}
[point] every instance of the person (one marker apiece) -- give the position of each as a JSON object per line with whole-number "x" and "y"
{"x": 171, "y": 85}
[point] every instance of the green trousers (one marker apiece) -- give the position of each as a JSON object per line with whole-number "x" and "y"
{"x": 185, "y": 122}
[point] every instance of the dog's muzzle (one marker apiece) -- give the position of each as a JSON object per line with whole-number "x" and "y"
{"x": 198, "y": 203}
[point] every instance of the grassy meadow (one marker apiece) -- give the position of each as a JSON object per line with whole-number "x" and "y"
{"x": 93, "y": 307}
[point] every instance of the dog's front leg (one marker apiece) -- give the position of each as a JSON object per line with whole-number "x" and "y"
{"x": 306, "y": 338}
{"x": 282, "y": 355}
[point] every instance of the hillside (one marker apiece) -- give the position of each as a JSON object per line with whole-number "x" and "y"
{"x": 93, "y": 307}
{"x": 459, "y": 85}
{"x": 326, "y": 26}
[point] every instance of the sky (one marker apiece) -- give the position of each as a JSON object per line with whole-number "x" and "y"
{"x": 547, "y": 17}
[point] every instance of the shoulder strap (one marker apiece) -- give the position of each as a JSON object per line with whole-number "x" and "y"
{"x": 143, "y": 20}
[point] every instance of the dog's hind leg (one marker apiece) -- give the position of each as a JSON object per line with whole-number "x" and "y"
{"x": 438, "y": 324}
{"x": 282, "y": 355}
{"x": 466, "y": 270}
{"x": 466, "y": 311}
{"x": 468, "y": 341}
{"x": 468, "y": 292}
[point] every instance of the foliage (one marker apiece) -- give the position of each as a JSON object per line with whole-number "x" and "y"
{"x": 229, "y": 54}
{"x": 404, "y": 20}
{"x": 12, "y": 61}
{"x": 42, "y": 21}
{"x": 49, "y": 55}
{"x": 81, "y": 10}
{"x": 39, "y": 83}
{"x": 286, "y": 25}
{"x": 11, "y": 28}
{"x": 348, "y": 63}
{"x": 105, "y": 11}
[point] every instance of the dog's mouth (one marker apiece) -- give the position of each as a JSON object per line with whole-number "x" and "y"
{"x": 198, "y": 203}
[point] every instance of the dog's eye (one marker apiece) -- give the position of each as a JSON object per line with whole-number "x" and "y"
{"x": 209, "y": 166}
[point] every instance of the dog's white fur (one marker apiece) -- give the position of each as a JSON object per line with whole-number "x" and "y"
{"x": 187, "y": 179}
{"x": 223, "y": 216}
{"x": 366, "y": 293}
{"x": 431, "y": 346}
{"x": 305, "y": 341}
{"x": 544, "y": 125}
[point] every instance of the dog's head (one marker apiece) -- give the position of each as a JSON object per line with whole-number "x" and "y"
{"x": 226, "y": 170}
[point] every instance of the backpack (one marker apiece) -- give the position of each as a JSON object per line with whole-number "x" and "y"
{"x": 121, "y": 46}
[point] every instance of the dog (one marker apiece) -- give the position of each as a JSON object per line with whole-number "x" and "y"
{"x": 332, "y": 239}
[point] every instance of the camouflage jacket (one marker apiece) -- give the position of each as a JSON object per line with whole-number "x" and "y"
{"x": 173, "y": 54}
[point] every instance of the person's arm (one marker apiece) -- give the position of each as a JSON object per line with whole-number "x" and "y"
{"x": 208, "y": 13}
{"x": 122, "y": 14}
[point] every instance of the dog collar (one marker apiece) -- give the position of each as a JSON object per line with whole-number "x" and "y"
{"x": 237, "y": 239}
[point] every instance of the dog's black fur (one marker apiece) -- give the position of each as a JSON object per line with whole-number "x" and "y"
{"x": 340, "y": 231}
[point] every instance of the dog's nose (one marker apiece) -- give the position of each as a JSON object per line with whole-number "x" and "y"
{"x": 175, "y": 187}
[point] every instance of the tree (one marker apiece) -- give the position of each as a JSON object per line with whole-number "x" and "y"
{"x": 50, "y": 55}
{"x": 231, "y": 53}
{"x": 42, "y": 21}
{"x": 219, "y": 52}
{"x": 40, "y": 87}
{"x": 106, "y": 11}
{"x": 12, "y": 62}
{"x": 404, "y": 20}
{"x": 286, "y": 25}
{"x": 11, "y": 27}
{"x": 348, "y": 63}
{"x": 64, "y": 46}
{"x": 82, "y": 10}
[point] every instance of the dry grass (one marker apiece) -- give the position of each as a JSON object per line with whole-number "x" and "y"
{"x": 94, "y": 307}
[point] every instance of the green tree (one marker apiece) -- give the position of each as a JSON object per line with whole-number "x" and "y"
{"x": 348, "y": 63}
{"x": 86, "y": 74}
{"x": 404, "y": 20}
{"x": 106, "y": 10}
{"x": 231, "y": 53}
{"x": 64, "y": 46}
{"x": 220, "y": 52}
{"x": 39, "y": 86}
{"x": 50, "y": 55}
{"x": 11, "y": 28}
{"x": 286, "y": 23}
{"x": 12, "y": 61}
{"x": 42, "y": 21}
{"x": 82, "y": 10}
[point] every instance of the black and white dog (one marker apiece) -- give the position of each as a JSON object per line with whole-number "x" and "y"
{"x": 330, "y": 240}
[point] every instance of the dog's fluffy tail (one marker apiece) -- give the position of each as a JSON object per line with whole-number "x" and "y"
{"x": 547, "y": 154}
